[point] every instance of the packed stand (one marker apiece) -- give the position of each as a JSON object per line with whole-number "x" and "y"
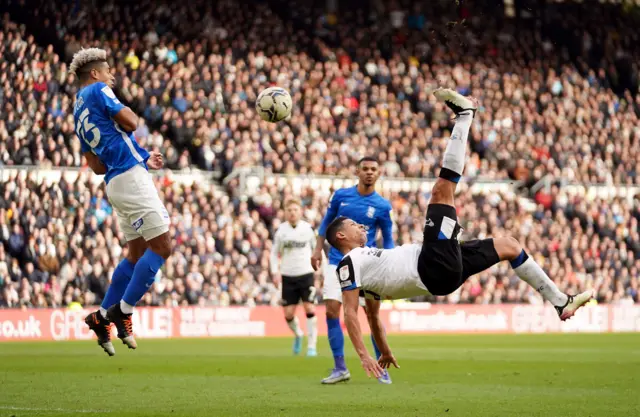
{"x": 359, "y": 82}
{"x": 60, "y": 243}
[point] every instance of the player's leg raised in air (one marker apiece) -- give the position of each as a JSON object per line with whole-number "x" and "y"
{"x": 440, "y": 260}
{"x": 444, "y": 264}
{"x": 479, "y": 255}
{"x": 135, "y": 199}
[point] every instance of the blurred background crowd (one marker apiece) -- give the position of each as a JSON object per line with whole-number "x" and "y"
{"x": 558, "y": 86}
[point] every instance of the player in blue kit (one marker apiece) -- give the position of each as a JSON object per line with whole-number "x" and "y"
{"x": 365, "y": 206}
{"x": 104, "y": 127}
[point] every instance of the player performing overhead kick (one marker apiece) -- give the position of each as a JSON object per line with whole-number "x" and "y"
{"x": 104, "y": 127}
{"x": 438, "y": 266}
{"x": 364, "y": 205}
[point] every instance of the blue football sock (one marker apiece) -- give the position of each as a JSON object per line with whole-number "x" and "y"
{"x": 375, "y": 347}
{"x": 336, "y": 341}
{"x": 143, "y": 275}
{"x": 119, "y": 281}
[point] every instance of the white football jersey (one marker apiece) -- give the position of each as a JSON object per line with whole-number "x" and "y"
{"x": 383, "y": 274}
{"x": 294, "y": 247}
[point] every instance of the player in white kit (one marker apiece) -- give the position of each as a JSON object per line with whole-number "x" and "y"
{"x": 293, "y": 245}
{"x": 438, "y": 266}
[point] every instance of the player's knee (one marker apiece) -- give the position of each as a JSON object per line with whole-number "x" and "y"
{"x": 161, "y": 245}
{"x": 135, "y": 249}
{"x": 333, "y": 309}
{"x": 289, "y": 317}
{"x": 132, "y": 258}
{"x": 311, "y": 314}
{"x": 508, "y": 247}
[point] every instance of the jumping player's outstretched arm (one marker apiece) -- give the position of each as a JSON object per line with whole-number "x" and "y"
{"x": 377, "y": 329}
{"x": 351, "y": 304}
{"x": 348, "y": 275}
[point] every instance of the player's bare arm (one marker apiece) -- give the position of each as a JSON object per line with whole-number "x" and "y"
{"x": 377, "y": 329}
{"x": 316, "y": 258}
{"x": 127, "y": 119}
{"x": 94, "y": 163}
{"x": 350, "y": 300}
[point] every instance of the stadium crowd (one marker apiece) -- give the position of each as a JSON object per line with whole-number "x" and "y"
{"x": 558, "y": 99}
{"x": 547, "y": 92}
{"x": 60, "y": 243}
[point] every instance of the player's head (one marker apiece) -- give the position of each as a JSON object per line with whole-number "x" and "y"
{"x": 90, "y": 66}
{"x": 344, "y": 234}
{"x": 293, "y": 211}
{"x": 368, "y": 171}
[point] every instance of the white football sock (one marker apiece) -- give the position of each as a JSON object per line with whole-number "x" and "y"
{"x": 103, "y": 312}
{"x": 294, "y": 325}
{"x": 312, "y": 331}
{"x": 532, "y": 274}
{"x": 126, "y": 308}
{"x": 454, "y": 155}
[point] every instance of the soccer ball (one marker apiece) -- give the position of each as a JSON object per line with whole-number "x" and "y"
{"x": 274, "y": 104}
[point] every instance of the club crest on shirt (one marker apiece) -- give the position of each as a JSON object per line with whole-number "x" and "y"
{"x": 371, "y": 212}
{"x": 344, "y": 273}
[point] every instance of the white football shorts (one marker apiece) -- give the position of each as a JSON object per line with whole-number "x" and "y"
{"x": 135, "y": 199}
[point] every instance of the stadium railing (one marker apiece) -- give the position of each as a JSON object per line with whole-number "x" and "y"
{"x": 251, "y": 178}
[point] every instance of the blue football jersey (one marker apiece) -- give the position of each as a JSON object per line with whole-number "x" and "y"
{"x": 118, "y": 150}
{"x": 373, "y": 211}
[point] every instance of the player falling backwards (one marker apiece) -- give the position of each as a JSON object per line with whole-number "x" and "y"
{"x": 104, "y": 127}
{"x": 441, "y": 264}
{"x": 364, "y": 205}
{"x": 293, "y": 244}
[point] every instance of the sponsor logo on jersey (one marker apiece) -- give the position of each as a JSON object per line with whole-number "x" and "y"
{"x": 138, "y": 224}
{"x": 293, "y": 244}
{"x": 371, "y": 212}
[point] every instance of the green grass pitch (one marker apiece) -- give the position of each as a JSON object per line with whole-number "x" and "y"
{"x": 452, "y": 376}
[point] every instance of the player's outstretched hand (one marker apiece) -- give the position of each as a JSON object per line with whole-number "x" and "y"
{"x": 387, "y": 360}
{"x": 155, "y": 161}
{"x": 371, "y": 367}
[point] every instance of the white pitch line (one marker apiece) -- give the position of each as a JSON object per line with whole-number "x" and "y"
{"x": 51, "y": 410}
